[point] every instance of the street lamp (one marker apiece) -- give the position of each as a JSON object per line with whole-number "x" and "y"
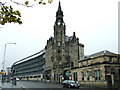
{"x": 5, "y": 54}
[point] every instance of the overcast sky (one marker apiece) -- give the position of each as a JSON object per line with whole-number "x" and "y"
{"x": 94, "y": 21}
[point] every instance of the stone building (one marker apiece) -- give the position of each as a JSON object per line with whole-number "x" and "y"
{"x": 62, "y": 51}
{"x": 99, "y": 69}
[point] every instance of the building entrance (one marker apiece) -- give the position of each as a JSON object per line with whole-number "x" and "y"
{"x": 48, "y": 75}
{"x": 66, "y": 75}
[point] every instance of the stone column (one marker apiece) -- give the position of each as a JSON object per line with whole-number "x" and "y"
{"x": 112, "y": 77}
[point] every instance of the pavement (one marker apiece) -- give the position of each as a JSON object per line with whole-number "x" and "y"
{"x": 9, "y": 85}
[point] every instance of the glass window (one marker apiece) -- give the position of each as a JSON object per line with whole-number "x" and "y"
{"x": 118, "y": 60}
{"x": 71, "y": 64}
{"x": 58, "y": 43}
{"x": 81, "y": 56}
{"x": 81, "y": 63}
{"x": 75, "y": 46}
{"x": 75, "y": 76}
{"x": 82, "y": 76}
{"x": 44, "y": 56}
{"x": 87, "y": 63}
{"x": 95, "y": 75}
{"x": 99, "y": 73}
{"x": 81, "y": 49}
{"x": 88, "y": 75}
{"x": 110, "y": 59}
{"x": 66, "y": 53}
{"x": 119, "y": 73}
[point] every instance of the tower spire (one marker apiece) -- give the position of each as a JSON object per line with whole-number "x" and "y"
{"x": 59, "y": 16}
{"x": 59, "y": 7}
{"x": 59, "y": 12}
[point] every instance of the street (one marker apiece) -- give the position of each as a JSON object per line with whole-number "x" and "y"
{"x": 28, "y": 85}
{"x": 31, "y": 85}
{"x": 36, "y": 84}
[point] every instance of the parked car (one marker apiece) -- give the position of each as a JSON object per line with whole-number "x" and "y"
{"x": 47, "y": 80}
{"x": 11, "y": 78}
{"x": 17, "y": 79}
{"x": 70, "y": 84}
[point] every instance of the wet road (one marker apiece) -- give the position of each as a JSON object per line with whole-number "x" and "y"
{"x": 36, "y": 84}
{"x": 33, "y": 85}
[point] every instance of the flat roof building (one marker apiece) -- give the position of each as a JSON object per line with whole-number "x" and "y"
{"x": 31, "y": 67}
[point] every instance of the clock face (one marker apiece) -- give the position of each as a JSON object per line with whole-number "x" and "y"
{"x": 58, "y": 23}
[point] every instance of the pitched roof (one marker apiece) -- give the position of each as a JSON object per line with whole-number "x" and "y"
{"x": 99, "y": 53}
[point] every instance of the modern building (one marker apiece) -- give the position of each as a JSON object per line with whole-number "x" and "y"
{"x": 31, "y": 67}
{"x": 99, "y": 69}
{"x": 62, "y": 51}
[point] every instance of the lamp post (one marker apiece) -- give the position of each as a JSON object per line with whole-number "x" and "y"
{"x": 5, "y": 54}
{"x": 3, "y": 75}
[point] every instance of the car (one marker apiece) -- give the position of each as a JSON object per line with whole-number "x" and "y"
{"x": 47, "y": 80}
{"x": 70, "y": 84}
{"x": 17, "y": 79}
{"x": 11, "y": 78}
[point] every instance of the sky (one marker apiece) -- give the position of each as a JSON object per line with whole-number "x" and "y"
{"x": 95, "y": 23}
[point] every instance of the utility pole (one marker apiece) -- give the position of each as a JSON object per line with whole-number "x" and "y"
{"x": 5, "y": 54}
{"x": 3, "y": 63}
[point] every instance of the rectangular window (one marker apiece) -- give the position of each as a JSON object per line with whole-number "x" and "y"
{"x": 66, "y": 53}
{"x": 118, "y": 60}
{"x": 119, "y": 73}
{"x": 39, "y": 76}
{"x": 82, "y": 76}
{"x": 87, "y": 63}
{"x": 81, "y": 49}
{"x": 81, "y": 56}
{"x": 95, "y": 75}
{"x": 71, "y": 64}
{"x": 110, "y": 58}
{"x": 59, "y": 44}
{"x": 35, "y": 76}
{"x": 75, "y": 76}
{"x": 75, "y": 46}
{"x": 88, "y": 76}
{"x": 44, "y": 56}
{"x": 43, "y": 66}
{"x": 99, "y": 74}
{"x": 82, "y": 63}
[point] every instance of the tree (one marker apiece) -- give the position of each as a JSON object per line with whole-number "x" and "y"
{"x": 8, "y": 15}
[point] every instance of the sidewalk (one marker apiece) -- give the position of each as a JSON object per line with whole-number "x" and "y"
{"x": 9, "y": 85}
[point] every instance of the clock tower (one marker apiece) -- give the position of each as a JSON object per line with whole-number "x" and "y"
{"x": 59, "y": 35}
{"x": 62, "y": 51}
{"x": 59, "y": 27}
{"x": 59, "y": 42}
